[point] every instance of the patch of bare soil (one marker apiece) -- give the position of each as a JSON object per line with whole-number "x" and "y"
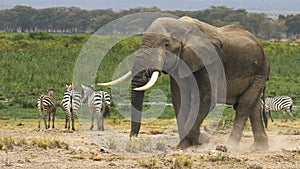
{"x": 153, "y": 149}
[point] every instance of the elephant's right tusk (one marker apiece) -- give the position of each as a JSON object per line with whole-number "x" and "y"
{"x": 117, "y": 81}
{"x": 151, "y": 82}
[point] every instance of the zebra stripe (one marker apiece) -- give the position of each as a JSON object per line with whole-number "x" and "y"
{"x": 279, "y": 103}
{"x": 47, "y": 104}
{"x": 99, "y": 102}
{"x": 71, "y": 103}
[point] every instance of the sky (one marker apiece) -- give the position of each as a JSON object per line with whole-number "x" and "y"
{"x": 250, "y": 5}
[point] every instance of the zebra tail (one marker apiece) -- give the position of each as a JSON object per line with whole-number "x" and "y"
{"x": 265, "y": 117}
{"x": 106, "y": 111}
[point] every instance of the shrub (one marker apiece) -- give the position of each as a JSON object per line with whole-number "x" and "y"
{"x": 40, "y": 35}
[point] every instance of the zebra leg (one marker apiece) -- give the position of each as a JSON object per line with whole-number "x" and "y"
{"x": 40, "y": 118}
{"x": 73, "y": 117}
{"x": 92, "y": 120}
{"x": 269, "y": 112}
{"x": 66, "y": 121}
{"x": 45, "y": 120}
{"x": 98, "y": 121}
{"x": 102, "y": 123}
{"x": 265, "y": 118}
{"x": 101, "y": 120}
{"x": 49, "y": 119}
{"x": 53, "y": 118}
{"x": 290, "y": 114}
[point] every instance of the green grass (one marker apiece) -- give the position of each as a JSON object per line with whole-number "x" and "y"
{"x": 33, "y": 62}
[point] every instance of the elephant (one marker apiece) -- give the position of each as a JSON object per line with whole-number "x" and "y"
{"x": 197, "y": 56}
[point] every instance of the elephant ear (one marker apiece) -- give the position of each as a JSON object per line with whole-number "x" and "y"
{"x": 198, "y": 50}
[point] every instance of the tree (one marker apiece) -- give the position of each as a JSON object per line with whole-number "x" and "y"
{"x": 293, "y": 26}
{"x": 25, "y": 15}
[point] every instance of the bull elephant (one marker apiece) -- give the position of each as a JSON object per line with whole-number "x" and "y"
{"x": 194, "y": 54}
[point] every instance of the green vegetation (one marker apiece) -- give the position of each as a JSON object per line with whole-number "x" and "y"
{"x": 33, "y": 62}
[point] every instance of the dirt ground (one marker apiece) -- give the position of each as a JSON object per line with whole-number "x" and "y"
{"x": 153, "y": 149}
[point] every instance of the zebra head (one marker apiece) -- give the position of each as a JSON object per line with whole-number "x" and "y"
{"x": 51, "y": 92}
{"x": 70, "y": 87}
{"x": 87, "y": 91}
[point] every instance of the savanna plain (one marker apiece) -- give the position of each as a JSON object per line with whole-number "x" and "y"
{"x": 33, "y": 62}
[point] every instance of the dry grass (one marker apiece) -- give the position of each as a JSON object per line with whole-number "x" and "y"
{"x": 150, "y": 163}
{"x": 182, "y": 161}
{"x": 138, "y": 144}
{"x": 8, "y": 142}
{"x": 47, "y": 142}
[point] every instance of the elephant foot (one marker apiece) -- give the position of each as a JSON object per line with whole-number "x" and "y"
{"x": 259, "y": 147}
{"x": 204, "y": 138}
{"x": 184, "y": 144}
{"x": 233, "y": 144}
{"x": 193, "y": 141}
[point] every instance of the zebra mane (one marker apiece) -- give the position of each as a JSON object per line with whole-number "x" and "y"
{"x": 91, "y": 87}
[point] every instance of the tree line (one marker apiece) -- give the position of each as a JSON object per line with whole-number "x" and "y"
{"x": 77, "y": 20}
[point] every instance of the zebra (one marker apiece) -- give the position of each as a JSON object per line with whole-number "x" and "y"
{"x": 277, "y": 104}
{"x": 47, "y": 104}
{"x": 99, "y": 102}
{"x": 71, "y": 103}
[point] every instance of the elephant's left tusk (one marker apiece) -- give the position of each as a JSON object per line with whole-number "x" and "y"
{"x": 151, "y": 82}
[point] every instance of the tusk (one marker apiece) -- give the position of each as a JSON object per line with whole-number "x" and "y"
{"x": 117, "y": 81}
{"x": 151, "y": 82}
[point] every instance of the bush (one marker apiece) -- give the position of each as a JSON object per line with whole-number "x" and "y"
{"x": 39, "y": 35}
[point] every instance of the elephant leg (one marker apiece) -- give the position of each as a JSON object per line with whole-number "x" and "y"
{"x": 242, "y": 114}
{"x": 260, "y": 136}
{"x": 177, "y": 100}
{"x": 186, "y": 105}
{"x": 200, "y": 105}
{"x": 194, "y": 134}
{"x": 247, "y": 106}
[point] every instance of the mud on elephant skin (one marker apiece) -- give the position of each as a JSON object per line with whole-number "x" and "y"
{"x": 207, "y": 65}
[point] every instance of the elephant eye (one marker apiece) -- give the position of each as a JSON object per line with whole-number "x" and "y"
{"x": 167, "y": 44}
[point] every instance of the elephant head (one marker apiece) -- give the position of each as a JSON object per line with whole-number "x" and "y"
{"x": 173, "y": 46}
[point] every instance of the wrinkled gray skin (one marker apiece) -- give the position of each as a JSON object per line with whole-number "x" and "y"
{"x": 246, "y": 69}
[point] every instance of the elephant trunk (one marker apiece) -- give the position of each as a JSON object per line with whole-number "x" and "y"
{"x": 142, "y": 70}
{"x": 137, "y": 98}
